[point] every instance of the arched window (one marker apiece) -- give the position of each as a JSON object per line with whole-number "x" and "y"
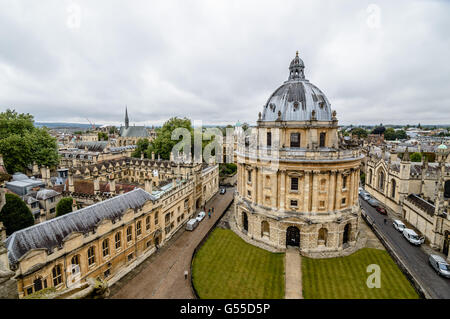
{"x": 265, "y": 229}
{"x": 370, "y": 177}
{"x": 129, "y": 234}
{"x": 117, "y": 238}
{"x": 393, "y": 185}
{"x": 91, "y": 255}
{"x": 347, "y": 233}
{"x": 245, "y": 221}
{"x": 147, "y": 223}
{"x": 57, "y": 277}
{"x": 323, "y": 136}
{"x": 37, "y": 283}
{"x": 139, "y": 228}
{"x": 381, "y": 180}
{"x": 323, "y": 236}
{"x": 105, "y": 247}
{"x": 75, "y": 261}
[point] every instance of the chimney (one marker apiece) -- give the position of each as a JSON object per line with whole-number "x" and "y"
{"x": 35, "y": 169}
{"x": 159, "y": 157}
{"x": 96, "y": 185}
{"x": 112, "y": 184}
{"x": 142, "y": 155}
{"x": 153, "y": 156}
{"x": 74, "y": 205}
{"x": 71, "y": 187}
{"x": 174, "y": 182}
{"x": 171, "y": 157}
{"x": 148, "y": 184}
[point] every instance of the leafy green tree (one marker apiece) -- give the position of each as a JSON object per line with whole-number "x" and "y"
{"x": 415, "y": 157}
{"x": 360, "y": 132}
{"x": 64, "y": 206}
{"x": 163, "y": 142}
{"x": 401, "y": 135}
{"x": 379, "y": 130}
{"x": 15, "y": 215}
{"x": 21, "y": 143}
{"x": 390, "y": 134}
{"x": 141, "y": 147}
{"x": 102, "y": 136}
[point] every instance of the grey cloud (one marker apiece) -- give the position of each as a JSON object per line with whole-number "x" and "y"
{"x": 219, "y": 61}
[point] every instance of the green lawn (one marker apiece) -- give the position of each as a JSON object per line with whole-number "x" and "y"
{"x": 227, "y": 267}
{"x": 345, "y": 277}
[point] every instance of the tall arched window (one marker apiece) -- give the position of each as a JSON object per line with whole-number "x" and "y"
{"x": 129, "y": 234}
{"x": 91, "y": 255}
{"x": 57, "y": 276}
{"x": 105, "y": 247}
{"x": 117, "y": 238}
{"x": 370, "y": 177}
{"x": 381, "y": 180}
{"x": 323, "y": 136}
{"x": 75, "y": 261}
{"x": 393, "y": 186}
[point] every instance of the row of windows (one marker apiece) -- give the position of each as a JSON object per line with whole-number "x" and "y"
{"x": 294, "y": 182}
{"x": 295, "y": 139}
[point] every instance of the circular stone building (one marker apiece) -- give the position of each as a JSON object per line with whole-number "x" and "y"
{"x": 297, "y": 180}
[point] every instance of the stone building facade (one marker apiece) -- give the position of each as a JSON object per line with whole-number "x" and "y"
{"x": 100, "y": 240}
{"x": 297, "y": 180}
{"x": 417, "y": 191}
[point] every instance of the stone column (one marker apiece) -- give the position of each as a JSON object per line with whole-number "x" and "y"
{"x": 148, "y": 184}
{"x": 283, "y": 190}
{"x": 260, "y": 187}
{"x": 332, "y": 190}
{"x": 315, "y": 190}
{"x": 338, "y": 190}
{"x": 306, "y": 192}
{"x": 274, "y": 186}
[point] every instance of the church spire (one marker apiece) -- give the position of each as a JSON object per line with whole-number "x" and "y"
{"x": 127, "y": 122}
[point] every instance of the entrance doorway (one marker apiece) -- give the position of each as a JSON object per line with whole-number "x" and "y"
{"x": 293, "y": 236}
{"x": 245, "y": 221}
{"x": 347, "y": 231}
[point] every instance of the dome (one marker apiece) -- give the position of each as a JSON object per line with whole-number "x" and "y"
{"x": 297, "y": 98}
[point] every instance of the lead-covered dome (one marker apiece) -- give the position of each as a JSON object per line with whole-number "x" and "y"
{"x": 297, "y": 99}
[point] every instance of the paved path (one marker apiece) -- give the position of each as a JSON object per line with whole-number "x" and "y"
{"x": 416, "y": 258}
{"x": 293, "y": 274}
{"x": 161, "y": 276}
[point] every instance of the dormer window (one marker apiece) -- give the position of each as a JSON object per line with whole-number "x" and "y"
{"x": 295, "y": 106}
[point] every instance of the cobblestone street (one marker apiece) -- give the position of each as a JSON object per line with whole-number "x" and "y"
{"x": 162, "y": 275}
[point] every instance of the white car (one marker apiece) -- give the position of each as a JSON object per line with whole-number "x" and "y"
{"x": 200, "y": 216}
{"x": 398, "y": 225}
{"x": 412, "y": 237}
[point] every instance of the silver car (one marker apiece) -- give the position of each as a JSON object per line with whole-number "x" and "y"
{"x": 440, "y": 265}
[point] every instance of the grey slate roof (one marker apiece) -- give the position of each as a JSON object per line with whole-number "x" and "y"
{"x": 98, "y": 146}
{"x": 134, "y": 131}
{"x": 51, "y": 233}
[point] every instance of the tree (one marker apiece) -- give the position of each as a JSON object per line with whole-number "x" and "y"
{"x": 141, "y": 147}
{"x": 379, "y": 130}
{"x": 163, "y": 142}
{"x": 415, "y": 157}
{"x": 401, "y": 135}
{"x": 15, "y": 215}
{"x": 390, "y": 134}
{"x": 21, "y": 143}
{"x": 102, "y": 136}
{"x": 360, "y": 132}
{"x": 64, "y": 206}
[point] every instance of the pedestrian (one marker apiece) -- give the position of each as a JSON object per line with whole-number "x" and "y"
{"x": 212, "y": 209}
{"x": 209, "y": 214}
{"x": 385, "y": 220}
{"x": 185, "y": 274}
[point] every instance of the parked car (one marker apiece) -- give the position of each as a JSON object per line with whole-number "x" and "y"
{"x": 373, "y": 202}
{"x": 440, "y": 265}
{"x": 381, "y": 210}
{"x": 366, "y": 196}
{"x": 223, "y": 190}
{"x": 398, "y": 225}
{"x": 192, "y": 224}
{"x": 412, "y": 237}
{"x": 200, "y": 216}
{"x": 361, "y": 191}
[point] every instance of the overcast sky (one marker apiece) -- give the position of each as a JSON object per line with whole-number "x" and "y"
{"x": 219, "y": 60}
